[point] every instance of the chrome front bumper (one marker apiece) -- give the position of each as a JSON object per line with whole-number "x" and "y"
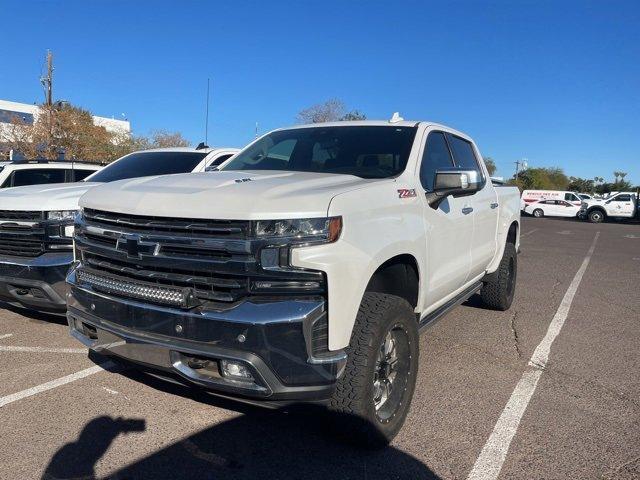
{"x": 36, "y": 283}
{"x": 270, "y": 337}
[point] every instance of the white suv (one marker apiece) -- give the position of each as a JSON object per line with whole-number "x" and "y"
{"x": 19, "y": 173}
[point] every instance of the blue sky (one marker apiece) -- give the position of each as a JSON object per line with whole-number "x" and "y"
{"x": 555, "y": 82}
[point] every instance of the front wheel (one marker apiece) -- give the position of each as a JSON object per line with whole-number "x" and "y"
{"x": 498, "y": 292}
{"x": 596, "y": 216}
{"x": 538, "y": 213}
{"x": 372, "y": 397}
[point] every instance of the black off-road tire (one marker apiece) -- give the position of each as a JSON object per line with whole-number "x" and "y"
{"x": 538, "y": 213}
{"x": 498, "y": 292}
{"x": 352, "y": 406}
{"x": 596, "y": 216}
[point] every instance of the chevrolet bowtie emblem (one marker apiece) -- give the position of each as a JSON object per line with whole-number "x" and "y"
{"x": 135, "y": 247}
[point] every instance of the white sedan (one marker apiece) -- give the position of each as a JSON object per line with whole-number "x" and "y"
{"x": 552, "y": 208}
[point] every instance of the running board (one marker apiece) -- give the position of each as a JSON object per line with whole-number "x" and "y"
{"x": 440, "y": 312}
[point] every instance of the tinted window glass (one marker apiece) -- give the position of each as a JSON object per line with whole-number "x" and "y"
{"x": 571, "y": 197}
{"x": 80, "y": 174}
{"x": 147, "y": 164}
{"x": 367, "y": 152}
{"x": 435, "y": 156}
{"x": 37, "y": 176}
{"x": 622, "y": 198}
{"x": 219, "y": 160}
{"x": 463, "y": 153}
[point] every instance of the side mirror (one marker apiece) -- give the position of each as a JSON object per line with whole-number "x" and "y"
{"x": 211, "y": 168}
{"x": 453, "y": 182}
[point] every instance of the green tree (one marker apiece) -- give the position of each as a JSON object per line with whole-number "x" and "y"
{"x": 542, "y": 179}
{"x": 491, "y": 165}
{"x": 577, "y": 184}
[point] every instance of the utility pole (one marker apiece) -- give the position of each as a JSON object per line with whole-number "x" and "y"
{"x": 47, "y": 81}
{"x": 256, "y": 129}
{"x": 520, "y": 163}
{"x": 206, "y": 122}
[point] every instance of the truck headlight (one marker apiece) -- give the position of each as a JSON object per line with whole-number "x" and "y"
{"x": 61, "y": 214}
{"x": 326, "y": 229}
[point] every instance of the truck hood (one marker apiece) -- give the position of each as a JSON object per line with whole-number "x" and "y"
{"x": 239, "y": 195}
{"x": 53, "y": 196}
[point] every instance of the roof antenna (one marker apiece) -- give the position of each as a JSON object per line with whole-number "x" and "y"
{"x": 395, "y": 118}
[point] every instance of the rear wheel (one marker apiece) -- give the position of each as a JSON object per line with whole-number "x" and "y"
{"x": 596, "y": 216}
{"x": 538, "y": 213}
{"x": 498, "y": 292}
{"x": 373, "y": 395}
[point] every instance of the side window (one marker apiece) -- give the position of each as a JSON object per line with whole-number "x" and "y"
{"x": 37, "y": 176}
{"x": 463, "y": 153}
{"x": 80, "y": 174}
{"x": 622, "y": 198}
{"x": 219, "y": 160}
{"x": 436, "y": 155}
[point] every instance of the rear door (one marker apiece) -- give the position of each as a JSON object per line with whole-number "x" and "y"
{"x": 449, "y": 227}
{"x": 566, "y": 209}
{"x": 483, "y": 204}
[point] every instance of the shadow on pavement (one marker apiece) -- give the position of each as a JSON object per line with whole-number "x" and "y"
{"x": 32, "y": 315}
{"x": 287, "y": 443}
{"x": 78, "y": 459}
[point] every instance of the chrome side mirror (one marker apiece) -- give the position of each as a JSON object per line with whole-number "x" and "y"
{"x": 453, "y": 182}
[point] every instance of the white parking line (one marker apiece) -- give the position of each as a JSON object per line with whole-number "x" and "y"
{"x": 529, "y": 232}
{"x": 14, "y": 397}
{"x": 494, "y": 452}
{"x": 6, "y": 335}
{"x": 11, "y": 348}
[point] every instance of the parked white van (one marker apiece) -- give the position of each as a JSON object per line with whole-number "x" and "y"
{"x": 530, "y": 196}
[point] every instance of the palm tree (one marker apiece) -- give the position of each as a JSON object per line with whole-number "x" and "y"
{"x": 622, "y": 175}
{"x": 616, "y": 174}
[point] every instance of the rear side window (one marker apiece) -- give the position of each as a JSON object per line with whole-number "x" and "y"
{"x": 463, "y": 153}
{"x": 436, "y": 156}
{"x": 37, "y": 176}
{"x": 219, "y": 160}
{"x": 80, "y": 174}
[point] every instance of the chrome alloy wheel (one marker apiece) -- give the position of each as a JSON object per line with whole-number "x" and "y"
{"x": 390, "y": 374}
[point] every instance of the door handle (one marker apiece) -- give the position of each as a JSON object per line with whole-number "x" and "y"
{"x": 494, "y": 205}
{"x": 467, "y": 210}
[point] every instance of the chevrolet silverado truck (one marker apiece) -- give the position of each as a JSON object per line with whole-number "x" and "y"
{"x": 36, "y": 224}
{"x": 302, "y": 271}
{"x": 622, "y": 205}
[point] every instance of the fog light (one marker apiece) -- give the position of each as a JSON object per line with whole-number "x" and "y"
{"x": 235, "y": 370}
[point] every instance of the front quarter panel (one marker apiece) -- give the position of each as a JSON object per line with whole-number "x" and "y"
{"x": 377, "y": 225}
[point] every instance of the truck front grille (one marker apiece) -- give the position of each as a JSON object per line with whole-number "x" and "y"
{"x": 216, "y": 261}
{"x": 21, "y": 233}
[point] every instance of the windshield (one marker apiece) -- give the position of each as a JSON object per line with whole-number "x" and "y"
{"x": 146, "y": 164}
{"x": 364, "y": 151}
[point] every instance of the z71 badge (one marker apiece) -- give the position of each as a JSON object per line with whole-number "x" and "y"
{"x": 406, "y": 192}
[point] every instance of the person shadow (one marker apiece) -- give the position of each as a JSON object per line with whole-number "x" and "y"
{"x": 78, "y": 459}
{"x": 293, "y": 442}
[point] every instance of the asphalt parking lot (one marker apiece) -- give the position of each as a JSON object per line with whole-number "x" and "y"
{"x": 469, "y": 417}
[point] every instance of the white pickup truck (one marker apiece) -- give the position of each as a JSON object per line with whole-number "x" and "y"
{"x": 36, "y": 223}
{"x": 622, "y": 205}
{"x": 303, "y": 270}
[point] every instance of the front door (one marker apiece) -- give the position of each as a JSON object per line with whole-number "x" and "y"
{"x": 621, "y": 205}
{"x": 449, "y": 227}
